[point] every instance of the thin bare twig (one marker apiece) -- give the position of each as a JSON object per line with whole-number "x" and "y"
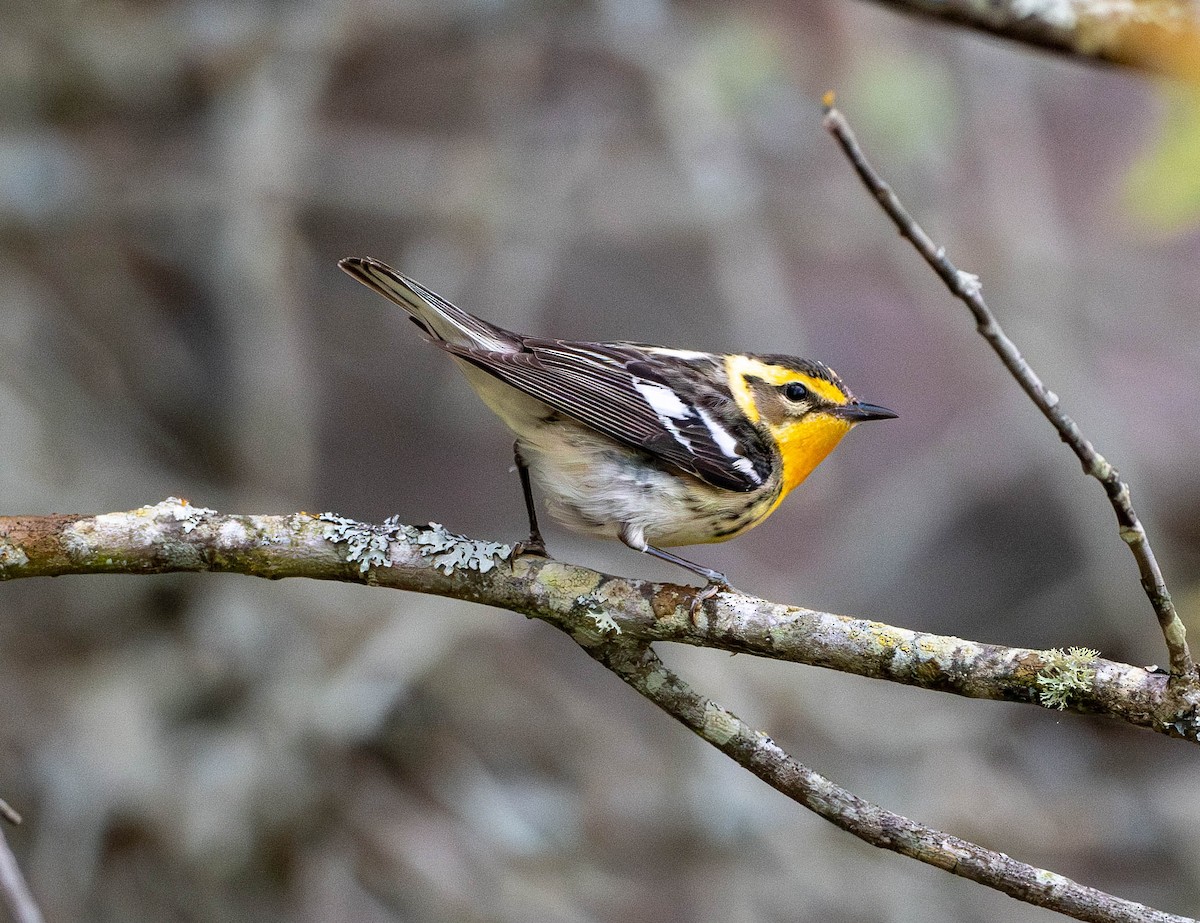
{"x": 22, "y": 906}
{"x": 641, "y": 668}
{"x": 967, "y": 288}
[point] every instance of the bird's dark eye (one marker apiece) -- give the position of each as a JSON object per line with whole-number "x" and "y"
{"x": 794, "y": 391}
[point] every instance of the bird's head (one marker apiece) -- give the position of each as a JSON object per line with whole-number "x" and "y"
{"x": 803, "y": 404}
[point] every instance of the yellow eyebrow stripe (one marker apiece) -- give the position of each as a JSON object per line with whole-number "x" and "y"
{"x": 738, "y": 367}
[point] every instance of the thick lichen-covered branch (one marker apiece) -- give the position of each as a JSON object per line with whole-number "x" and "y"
{"x": 177, "y": 536}
{"x": 615, "y": 620}
{"x": 967, "y": 288}
{"x": 1160, "y": 36}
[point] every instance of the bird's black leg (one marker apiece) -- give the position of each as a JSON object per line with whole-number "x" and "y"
{"x": 534, "y": 544}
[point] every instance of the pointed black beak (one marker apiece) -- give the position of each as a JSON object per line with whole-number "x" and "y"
{"x": 857, "y": 411}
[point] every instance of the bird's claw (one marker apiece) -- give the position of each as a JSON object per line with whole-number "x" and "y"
{"x": 705, "y": 593}
{"x": 531, "y": 545}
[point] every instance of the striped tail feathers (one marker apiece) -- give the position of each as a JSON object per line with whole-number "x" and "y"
{"x": 441, "y": 320}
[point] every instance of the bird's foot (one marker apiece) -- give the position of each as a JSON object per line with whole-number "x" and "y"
{"x": 533, "y": 545}
{"x": 717, "y": 583}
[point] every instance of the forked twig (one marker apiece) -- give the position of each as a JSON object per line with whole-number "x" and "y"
{"x": 967, "y": 288}
{"x": 641, "y": 668}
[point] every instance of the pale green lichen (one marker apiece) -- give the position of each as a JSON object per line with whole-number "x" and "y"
{"x": 605, "y": 622}
{"x": 1065, "y": 676}
{"x": 181, "y": 511}
{"x": 453, "y": 551}
{"x": 720, "y": 726}
{"x": 1050, "y": 879}
{"x": 1101, "y": 470}
{"x": 1176, "y": 633}
{"x": 595, "y": 610}
{"x": 885, "y": 638}
{"x": 369, "y": 544}
{"x": 567, "y": 580}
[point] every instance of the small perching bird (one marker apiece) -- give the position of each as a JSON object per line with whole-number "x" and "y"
{"x": 649, "y": 445}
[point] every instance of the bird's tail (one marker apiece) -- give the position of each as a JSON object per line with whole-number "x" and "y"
{"x": 440, "y": 320}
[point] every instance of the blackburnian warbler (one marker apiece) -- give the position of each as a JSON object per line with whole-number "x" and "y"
{"x": 650, "y": 445}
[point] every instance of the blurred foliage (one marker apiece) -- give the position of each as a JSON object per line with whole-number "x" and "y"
{"x": 744, "y": 59}
{"x": 1163, "y": 188}
{"x": 910, "y": 102}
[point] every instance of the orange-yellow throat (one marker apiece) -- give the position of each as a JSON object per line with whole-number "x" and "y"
{"x": 804, "y": 445}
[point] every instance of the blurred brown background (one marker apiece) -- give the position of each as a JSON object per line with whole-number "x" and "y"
{"x": 177, "y": 181}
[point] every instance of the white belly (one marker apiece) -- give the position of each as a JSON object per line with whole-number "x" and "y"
{"x": 596, "y": 487}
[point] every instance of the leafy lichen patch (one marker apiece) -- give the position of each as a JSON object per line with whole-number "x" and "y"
{"x": 179, "y": 510}
{"x": 451, "y": 552}
{"x": 369, "y": 543}
{"x": 1066, "y": 676}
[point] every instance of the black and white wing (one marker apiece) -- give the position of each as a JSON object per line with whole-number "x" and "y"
{"x": 664, "y": 402}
